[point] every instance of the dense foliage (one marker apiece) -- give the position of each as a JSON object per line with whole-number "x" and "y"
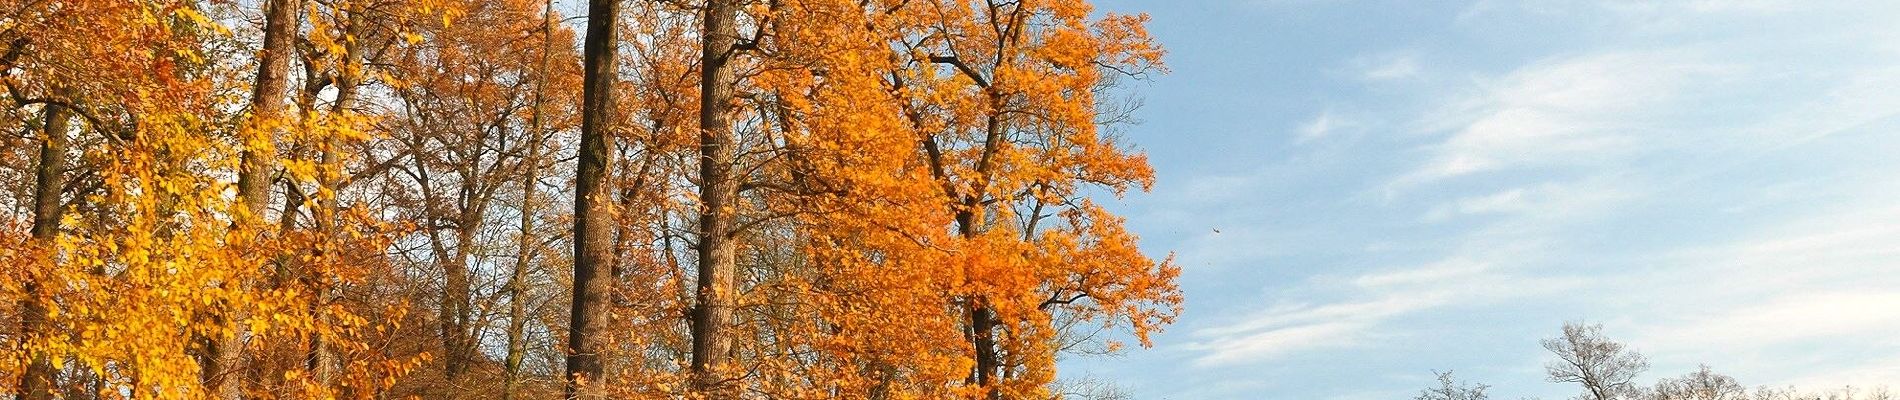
{"x": 458, "y": 199}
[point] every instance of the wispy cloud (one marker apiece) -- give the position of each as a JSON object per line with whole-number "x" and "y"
{"x": 1386, "y": 67}
{"x": 1711, "y": 179}
{"x": 1373, "y": 301}
{"x": 1542, "y": 201}
{"x": 1563, "y": 111}
{"x": 1327, "y": 123}
{"x": 1785, "y": 319}
{"x": 1802, "y": 286}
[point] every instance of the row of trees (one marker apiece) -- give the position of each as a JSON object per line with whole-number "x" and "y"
{"x": 1607, "y": 370}
{"x": 466, "y": 198}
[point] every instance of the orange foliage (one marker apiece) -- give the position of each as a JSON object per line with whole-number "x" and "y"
{"x": 917, "y": 213}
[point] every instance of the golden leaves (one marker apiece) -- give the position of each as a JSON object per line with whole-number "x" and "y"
{"x": 889, "y": 193}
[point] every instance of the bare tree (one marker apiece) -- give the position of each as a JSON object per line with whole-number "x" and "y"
{"x": 1703, "y": 384}
{"x": 1451, "y": 389}
{"x": 1604, "y": 367}
{"x": 1853, "y": 393}
{"x": 1090, "y": 388}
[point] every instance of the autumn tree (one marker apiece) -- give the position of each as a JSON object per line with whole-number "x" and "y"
{"x": 160, "y": 286}
{"x": 814, "y": 199}
{"x": 1003, "y": 97}
{"x": 470, "y": 132}
{"x": 526, "y": 242}
{"x": 139, "y": 90}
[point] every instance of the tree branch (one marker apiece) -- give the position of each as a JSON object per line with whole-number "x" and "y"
{"x": 962, "y": 66}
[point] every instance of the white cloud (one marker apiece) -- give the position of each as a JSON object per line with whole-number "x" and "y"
{"x": 1713, "y": 198}
{"x": 1760, "y": 306}
{"x": 1323, "y": 125}
{"x": 1785, "y": 319}
{"x": 1585, "y": 110}
{"x": 1390, "y": 68}
{"x": 1506, "y": 201}
{"x": 1741, "y": 5}
{"x": 1547, "y": 205}
{"x": 1442, "y": 271}
{"x": 1375, "y": 300}
{"x": 1271, "y": 343}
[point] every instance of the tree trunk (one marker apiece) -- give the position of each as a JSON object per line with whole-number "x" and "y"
{"x": 256, "y": 164}
{"x": 718, "y": 190}
{"x": 457, "y": 344}
{"x": 324, "y": 360}
{"x": 267, "y": 104}
{"x": 982, "y": 319}
{"x": 518, "y": 281}
{"x": 593, "y": 202}
{"x": 36, "y": 383}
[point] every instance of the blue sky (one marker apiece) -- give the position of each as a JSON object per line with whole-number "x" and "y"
{"x": 1408, "y": 186}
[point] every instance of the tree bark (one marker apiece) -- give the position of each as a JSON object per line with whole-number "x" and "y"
{"x": 257, "y": 162}
{"x": 324, "y": 360}
{"x": 518, "y": 280}
{"x": 458, "y": 346}
{"x": 267, "y": 105}
{"x": 36, "y": 383}
{"x": 718, "y": 190}
{"x": 593, "y": 202}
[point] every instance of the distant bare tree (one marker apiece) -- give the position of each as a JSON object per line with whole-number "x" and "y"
{"x": 1604, "y": 367}
{"x": 1853, "y": 393}
{"x": 1703, "y": 384}
{"x": 1450, "y": 389}
{"x": 1090, "y": 388}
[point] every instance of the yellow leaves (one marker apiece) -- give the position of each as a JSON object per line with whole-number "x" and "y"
{"x": 304, "y": 170}
{"x": 862, "y": 271}
{"x": 1124, "y": 42}
{"x": 199, "y": 19}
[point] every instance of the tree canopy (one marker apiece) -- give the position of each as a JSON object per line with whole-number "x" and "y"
{"x": 484, "y": 198}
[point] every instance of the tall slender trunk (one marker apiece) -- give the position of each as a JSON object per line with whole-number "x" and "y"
{"x": 324, "y": 360}
{"x": 718, "y": 190}
{"x": 458, "y": 346}
{"x": 36, "y": 383}
{"x": 518, "y": 281}
{"x": 256, "y": 164}
{"x": 593, "y": 202}
{"x": 267, "y": 105}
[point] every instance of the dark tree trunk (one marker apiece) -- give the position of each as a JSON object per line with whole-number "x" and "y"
{"x": 267, "y": 104}
{"x": 223, "y": 371}
{"x": 593, "y": 202}
{"x": 36, "y": 383}
{"x": 718, "y": 189}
